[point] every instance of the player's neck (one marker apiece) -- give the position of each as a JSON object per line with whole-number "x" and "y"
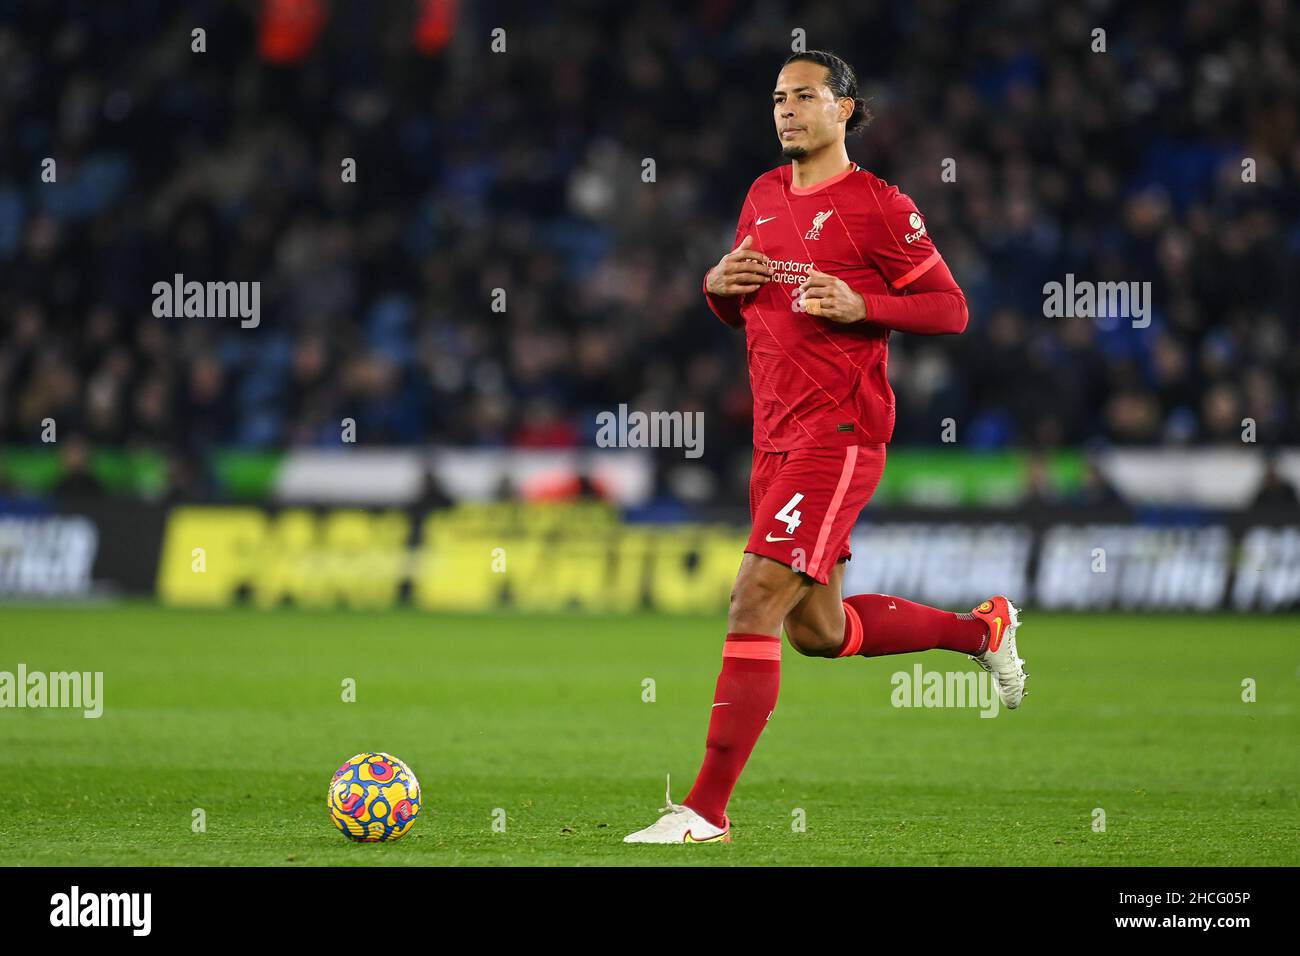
{"x": 819, "y": 166}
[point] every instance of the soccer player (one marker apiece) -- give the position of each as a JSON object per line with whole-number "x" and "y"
{"x": 828, "y": 260}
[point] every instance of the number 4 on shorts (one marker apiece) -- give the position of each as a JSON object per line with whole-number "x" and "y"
{"x": 791, "y": 518}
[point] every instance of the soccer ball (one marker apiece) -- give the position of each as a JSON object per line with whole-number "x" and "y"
{"x": 374, "y": 798}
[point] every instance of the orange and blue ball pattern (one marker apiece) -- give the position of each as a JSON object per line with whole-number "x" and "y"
{"x": 374, "y": 798}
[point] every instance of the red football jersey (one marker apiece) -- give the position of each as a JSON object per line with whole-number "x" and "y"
{"x": 816, "y": 383}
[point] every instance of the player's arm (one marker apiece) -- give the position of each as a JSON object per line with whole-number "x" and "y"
{"x": 933, "y": 304}
{"x": 741, "y": 271}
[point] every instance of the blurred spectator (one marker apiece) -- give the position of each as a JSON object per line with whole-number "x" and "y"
{"x": 77, "y": 482}
{"x": 1275, "y": 491}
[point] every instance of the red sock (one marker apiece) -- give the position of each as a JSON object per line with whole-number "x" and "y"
{"x": 878, "y": 624}
{"x": 743, "y": 701}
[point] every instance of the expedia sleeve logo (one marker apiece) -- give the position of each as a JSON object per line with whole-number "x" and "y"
{"x": 918, "y": 227}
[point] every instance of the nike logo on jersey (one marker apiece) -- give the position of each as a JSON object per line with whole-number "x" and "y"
{"x": 759, "y": 222}
{"x": 771, "y": 539}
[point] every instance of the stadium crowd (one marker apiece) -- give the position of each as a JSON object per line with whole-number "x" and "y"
{"x": 1173, "y": 157}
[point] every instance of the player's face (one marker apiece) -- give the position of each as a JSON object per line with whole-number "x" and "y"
{"x": 807, "y": 114}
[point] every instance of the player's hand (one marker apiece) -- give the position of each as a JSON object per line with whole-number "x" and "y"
{"x": 831, "y": 298}
{"x": 740, "y": 271}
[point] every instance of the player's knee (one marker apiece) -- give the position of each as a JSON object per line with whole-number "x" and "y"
{"x": 812, "y": 640}
{"x": 756, "y": 605}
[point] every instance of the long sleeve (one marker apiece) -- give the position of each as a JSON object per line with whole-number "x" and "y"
{"x": 925, "y": 298}
{"x": 933, "y": 305}
{"x": 727, "y": 307}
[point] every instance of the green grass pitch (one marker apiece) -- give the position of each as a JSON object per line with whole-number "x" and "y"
{"x": 239, "y": 712}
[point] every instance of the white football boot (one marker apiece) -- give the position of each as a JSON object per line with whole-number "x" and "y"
{"x": 680, "y": 824}
{"x": 1000, "y": 659}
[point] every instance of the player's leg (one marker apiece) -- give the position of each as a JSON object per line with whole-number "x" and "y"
{"x": 880, "y": 624}
{"x": 764, "y": 594}
{"x": 800, "y": 522}
{"x": 872, "y": 625}
{"x": 747, "y": 687}
{"x": 795, "y": 498}
{"x": 743, "y": 701}
{"x": 823, "y": 624}
{"x": 815, "y": 626}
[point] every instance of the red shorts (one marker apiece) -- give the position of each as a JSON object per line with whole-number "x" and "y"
{"x": 804, "y": 503}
